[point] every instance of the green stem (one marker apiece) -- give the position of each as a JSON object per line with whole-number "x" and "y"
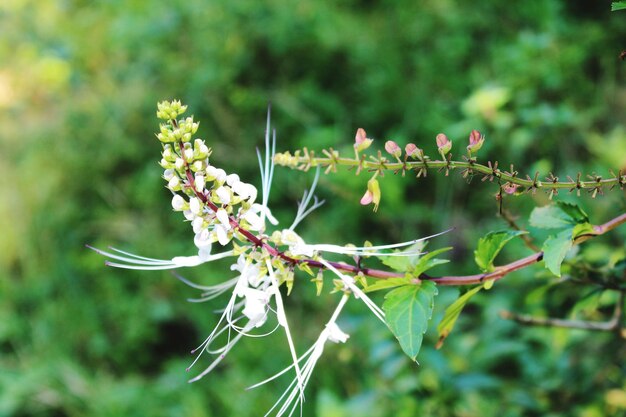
{"x": 308, "y": 160}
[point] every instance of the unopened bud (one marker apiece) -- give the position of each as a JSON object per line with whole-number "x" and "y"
{"x": 174, "y": 184}
{"x": 168, "y": 153}
{"x": 413, "y": 151}
{"x": 392, "y": 148}
{"x": 361, "y": 142}
{"x": 199, "y": 182}
{"x": 444, "y": 144}
{"x": 476, "y": 141}
{"x": 179, "y": 203}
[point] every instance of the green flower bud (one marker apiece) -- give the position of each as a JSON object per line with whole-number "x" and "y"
{"x": 198, "y": 166}
{"x": 174, "y": 184}
{"x": 166, "y": 164}
{"x": 168, "y": 154}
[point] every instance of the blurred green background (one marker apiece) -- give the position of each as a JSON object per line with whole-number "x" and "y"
{"x": 79, "y": 82}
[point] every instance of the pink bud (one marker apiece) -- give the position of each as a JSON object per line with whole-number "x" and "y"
{"x": 393, "y": 148}
{"x": 510, "y": 188}
{"x": 413, "y": 151}
{"x": 361, "y": 142}
{"x": 360, "y": 137}
{"x": 475, "y": 141}
{"x": 443, "y": 143}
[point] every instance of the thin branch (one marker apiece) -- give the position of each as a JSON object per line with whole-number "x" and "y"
{"x": 304, "y": 161}
{"x": 612, "y": 325}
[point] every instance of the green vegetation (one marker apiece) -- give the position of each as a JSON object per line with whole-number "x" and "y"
{"x": 78, "y": 83}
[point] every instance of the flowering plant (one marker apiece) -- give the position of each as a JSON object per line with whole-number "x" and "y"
{"x": 224, "y": 213}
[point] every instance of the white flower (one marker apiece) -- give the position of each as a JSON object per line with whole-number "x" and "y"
{"x": 195, "y": 205}
{"x": 222, "y": 235}
{"x": 256, "y": 223}
{"x": 232, "y": 179}
{"x": 296, "y": 244}
{"x": 179, "y": 164}
{"x": 251, "y": 271}
{"x": 245, "y": 191}
{"x": 174, "y": 184}
{"x": 199, "y": 182}
{"x": 202, "y": 239}
{"x": 216, "y": 174}
{"x": 178, "y": 202}
{"x": 223, "y": 194}
{"x": 222, "y": 217}
{"x": 256, "y": 305}
{"x": 189, "y": 215}
{"x": 335, "y": 334}
{"x": 188, "y": 154}
{"x": 265, "y": 212}
{"x": 168, "y": 174}
{"x": 197, "y": 224}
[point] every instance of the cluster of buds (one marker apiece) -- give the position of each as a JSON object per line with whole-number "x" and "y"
{"x": 361, "y": 142}
{"x": 212, "y": 200}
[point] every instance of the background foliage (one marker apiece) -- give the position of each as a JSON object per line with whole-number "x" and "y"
{"x": 79, "y": 81}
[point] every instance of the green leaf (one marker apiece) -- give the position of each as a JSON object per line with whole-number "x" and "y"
{"x": 555, "y": 248}
{"x": 452, "y": 314}
{"x": 575, "y": 213}
{"x": 490, "y": 245}
{"x": 383, "y": 284}
{"x": 618, "y": 5}
{"x": 557, "y": 216}
{"x": 428, "y": 261}
{"x": 404, "y": 263}
{"x": 407, "y": 311}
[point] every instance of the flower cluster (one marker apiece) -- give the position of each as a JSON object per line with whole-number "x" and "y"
{"x": 223, "y": 209}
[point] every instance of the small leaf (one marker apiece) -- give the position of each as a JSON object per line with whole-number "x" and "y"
{"x": 428, "y": 261}
{"x": 490, "y": 245}
{"x": 388, "y": 283}
{"x": 555, "y": 248}
{"x": 407, "y": 311}
{"x": 452, "y": 314}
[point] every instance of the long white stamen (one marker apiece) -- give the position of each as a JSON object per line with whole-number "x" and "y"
{"x": 282, "y": 319}
{"x": 306, "y": 200}
{"x": 370, "y": 250}
{"x": 311, "y": 356}
{"x": 349, "y": 282}
{"x": 150, "y": 264}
